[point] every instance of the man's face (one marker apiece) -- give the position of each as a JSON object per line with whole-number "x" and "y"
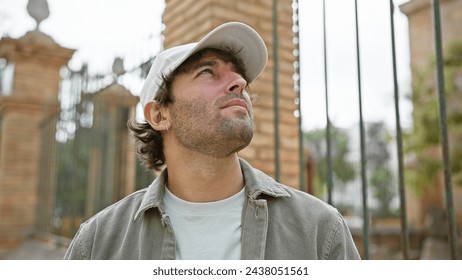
{"x": 211, "y": 112}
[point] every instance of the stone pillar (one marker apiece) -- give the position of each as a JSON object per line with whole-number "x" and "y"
{"x": 188, "y": 20}
{"x": 37, "y": 61}
{"x": 421, "y": 38}
{"x": 422, "y": 50}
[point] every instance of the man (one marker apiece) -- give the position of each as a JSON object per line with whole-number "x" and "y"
{"x": 208, "y": 203}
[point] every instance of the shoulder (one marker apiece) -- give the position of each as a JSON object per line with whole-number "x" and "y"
{"x": 105, "y": 228}
{"x": 124, "y": 208}
{"x": 113, "y": 218}
{"x": 283, "y": 199}
{"x": 306, "y": 213}
{"x": 323, "y": 227}
{"x": 307, "y": 204}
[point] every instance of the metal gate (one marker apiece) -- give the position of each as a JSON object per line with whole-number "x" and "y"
{"x": 87, "y": 158}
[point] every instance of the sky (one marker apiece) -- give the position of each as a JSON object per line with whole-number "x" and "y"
{"x": 101, "y": 30}
{"x": 375, "y": 63}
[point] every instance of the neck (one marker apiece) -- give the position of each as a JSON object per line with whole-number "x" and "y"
{"x": 198, "y": 178}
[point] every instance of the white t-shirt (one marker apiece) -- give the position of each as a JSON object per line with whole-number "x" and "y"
{"x": 210, "y": 230}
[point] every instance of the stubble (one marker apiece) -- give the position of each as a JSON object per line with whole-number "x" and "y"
{"x": 206, "y": 130}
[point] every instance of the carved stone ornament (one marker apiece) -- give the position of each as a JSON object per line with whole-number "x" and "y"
{"x": 38, "y": 10}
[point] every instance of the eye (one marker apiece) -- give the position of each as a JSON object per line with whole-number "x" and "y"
{"x": 205, "y": 71}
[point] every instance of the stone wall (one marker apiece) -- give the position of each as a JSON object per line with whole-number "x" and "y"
{"x": 37, "y": 59}
{"x": 421, "y": 38}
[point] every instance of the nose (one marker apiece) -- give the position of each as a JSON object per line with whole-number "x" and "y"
{"x": 236, "y": 83}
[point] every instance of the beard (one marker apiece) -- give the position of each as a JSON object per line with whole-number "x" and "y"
{"x": 206, "y": 130}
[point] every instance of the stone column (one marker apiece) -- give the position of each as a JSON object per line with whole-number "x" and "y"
{"x": 37, "y": 60}
{"x": 187, "y": 21}
{"x": 421, "y": 38}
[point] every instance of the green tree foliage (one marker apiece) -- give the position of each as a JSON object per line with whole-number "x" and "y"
{"x": 381, "y": 179}
{"x": 423, "y": 142}
{"x": 343, "y": 169}
{"x": 383, "y": 187}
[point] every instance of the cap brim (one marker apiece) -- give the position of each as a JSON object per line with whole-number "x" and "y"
{"x": 242, "y": 39}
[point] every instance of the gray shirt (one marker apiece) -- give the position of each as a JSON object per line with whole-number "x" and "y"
{"x": 278, "y": 222}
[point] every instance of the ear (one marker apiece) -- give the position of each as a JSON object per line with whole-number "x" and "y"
{"x": 157, "y": 116}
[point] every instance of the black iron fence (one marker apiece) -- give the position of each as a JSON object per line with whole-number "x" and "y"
{"x": 365, "y": 178}
{"x": 87, "y": 158}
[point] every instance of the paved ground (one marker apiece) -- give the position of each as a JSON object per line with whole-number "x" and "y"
{"x": 37, "y": 250}
{"x": 435, "y": 249}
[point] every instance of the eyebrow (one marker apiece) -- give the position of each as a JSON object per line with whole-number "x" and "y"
{"x": 196, "y": 66}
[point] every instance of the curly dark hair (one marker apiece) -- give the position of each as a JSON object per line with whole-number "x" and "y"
{"x": 149, "y": 143}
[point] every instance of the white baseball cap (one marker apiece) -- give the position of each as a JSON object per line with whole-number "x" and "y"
{"x": 239, "y": 37}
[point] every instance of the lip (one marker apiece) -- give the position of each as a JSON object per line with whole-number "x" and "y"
{"x": 236, "y": 102}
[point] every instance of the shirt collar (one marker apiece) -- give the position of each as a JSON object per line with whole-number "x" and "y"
{"x": 256, "y": 183}
{"x": 153, "y": 196}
